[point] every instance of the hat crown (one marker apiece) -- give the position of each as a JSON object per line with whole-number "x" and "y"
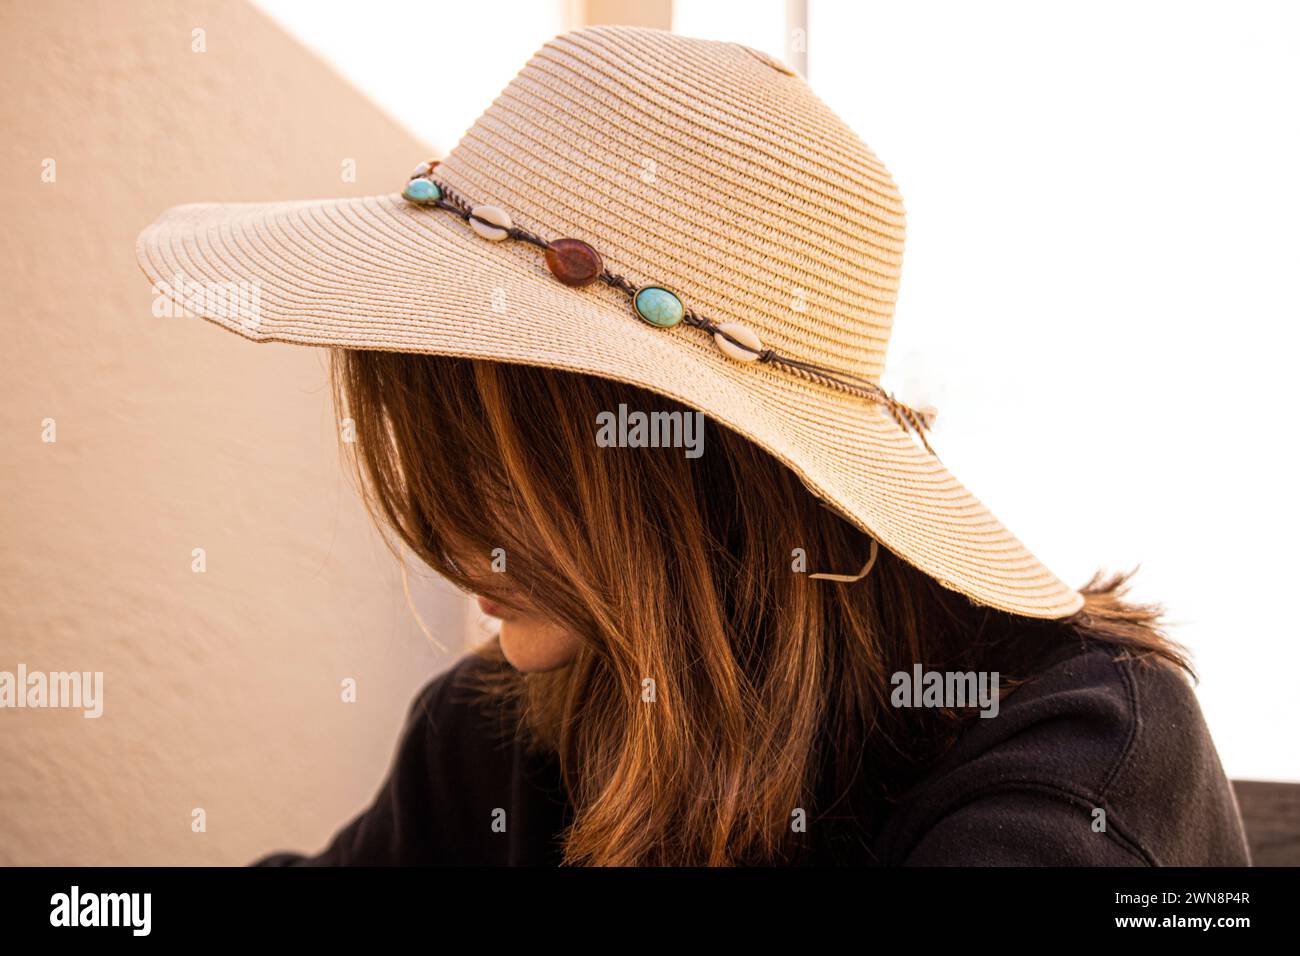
{"x": 706, "y": 167}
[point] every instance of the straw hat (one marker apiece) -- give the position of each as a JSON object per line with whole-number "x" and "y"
{"x": 706, "y": 169}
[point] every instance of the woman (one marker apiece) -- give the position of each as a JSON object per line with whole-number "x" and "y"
{"x": 747, "y": 616}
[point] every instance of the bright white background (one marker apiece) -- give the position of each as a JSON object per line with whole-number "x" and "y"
{"x": 1099, "y": 288}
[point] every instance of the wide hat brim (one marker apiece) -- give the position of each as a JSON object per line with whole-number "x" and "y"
{"x": 381, "y": 273}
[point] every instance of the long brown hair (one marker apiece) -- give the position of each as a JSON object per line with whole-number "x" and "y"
{"x": 770, "y": 690}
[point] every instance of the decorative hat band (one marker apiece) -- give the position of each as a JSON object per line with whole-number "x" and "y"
{"x": 577, "y": 264}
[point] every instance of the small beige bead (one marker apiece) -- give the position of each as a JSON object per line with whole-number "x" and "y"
{"x": 490, "y": 222}
{"x": 741, "y": 333}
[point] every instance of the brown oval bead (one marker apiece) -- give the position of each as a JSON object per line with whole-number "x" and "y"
{"x": 573, "y": 262}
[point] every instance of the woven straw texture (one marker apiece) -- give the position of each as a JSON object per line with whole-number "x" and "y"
{"x": 706, "y": 167}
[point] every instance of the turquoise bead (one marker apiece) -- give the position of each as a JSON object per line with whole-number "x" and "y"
{"x": 658, "y": 306}
{"x": 422, "y": 190}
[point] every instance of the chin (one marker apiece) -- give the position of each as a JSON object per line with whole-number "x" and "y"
{"x": 533, "y": 653}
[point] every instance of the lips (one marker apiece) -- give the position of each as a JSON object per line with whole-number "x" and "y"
{"x": 492, "y": 609}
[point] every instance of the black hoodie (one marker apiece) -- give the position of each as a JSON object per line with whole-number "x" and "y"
{"x": 1096, "y": 761}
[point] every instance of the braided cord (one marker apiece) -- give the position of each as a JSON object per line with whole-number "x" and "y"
{"x": 908, "y": 418}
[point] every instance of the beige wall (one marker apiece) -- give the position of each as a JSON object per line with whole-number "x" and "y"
{"x": 222, "y": 689}
{"x": 637, "y": 13}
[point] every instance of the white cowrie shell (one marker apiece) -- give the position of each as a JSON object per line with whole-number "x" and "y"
{"x": 743, "y": 334}
{"x": 490, "y": 222}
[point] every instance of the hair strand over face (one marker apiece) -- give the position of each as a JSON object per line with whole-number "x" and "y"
{"x": 771, "y": 690}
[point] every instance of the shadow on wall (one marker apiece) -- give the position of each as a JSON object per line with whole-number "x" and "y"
{"x": 222, "y": 685}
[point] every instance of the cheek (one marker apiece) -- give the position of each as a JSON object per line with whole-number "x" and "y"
{"x": 532, "y": 645}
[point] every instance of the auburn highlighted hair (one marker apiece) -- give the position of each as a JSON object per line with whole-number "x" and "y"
{"x": 770, "y": 689}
